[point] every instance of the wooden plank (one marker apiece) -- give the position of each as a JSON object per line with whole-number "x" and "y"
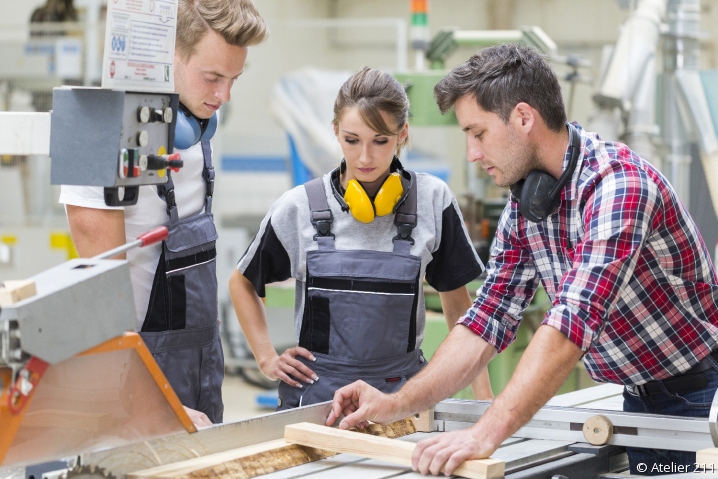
{"x": 379, "y": 448}
{"x": 708, "y": 458}
{"x": 259, "y": 459}
{"x": 424, "y": 421}
{"x": 210, "y": 440}
{"x": 343, "y": 460}
{"x": 245, "y": 462}
{"x": 14, "y": 291}
{"x": 395, "y": 430}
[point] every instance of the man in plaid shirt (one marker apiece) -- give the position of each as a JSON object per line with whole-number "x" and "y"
{"x": 633, "y": 289}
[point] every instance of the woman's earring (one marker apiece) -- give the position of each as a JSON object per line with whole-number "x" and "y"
{"x": 343, "y": 166}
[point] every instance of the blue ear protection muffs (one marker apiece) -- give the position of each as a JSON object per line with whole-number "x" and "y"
{"x": 190, "y": 130}
{"x": 540, "y": 193}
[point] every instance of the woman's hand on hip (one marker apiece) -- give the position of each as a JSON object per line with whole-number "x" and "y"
{"x": 289, "y": 369}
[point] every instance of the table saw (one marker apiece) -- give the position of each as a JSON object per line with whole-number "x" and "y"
{"x": 83, "y": 398}
{"x": 553, "y": 443}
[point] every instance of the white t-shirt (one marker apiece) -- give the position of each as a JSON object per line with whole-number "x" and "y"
{"x": 149, "y": 212}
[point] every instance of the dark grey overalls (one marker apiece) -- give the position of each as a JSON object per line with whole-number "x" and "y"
{"x": 181, "y": 327}
{"x": 360, "y": 308}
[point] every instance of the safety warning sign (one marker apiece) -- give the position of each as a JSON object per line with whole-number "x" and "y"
{"x": 139, "y": 45}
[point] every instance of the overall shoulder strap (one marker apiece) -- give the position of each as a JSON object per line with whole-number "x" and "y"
{"x": 167, "y": 193}
{"x": 208, "y": 176}
{"x": 319, "y": 212}
{"x": 405, "y": 216}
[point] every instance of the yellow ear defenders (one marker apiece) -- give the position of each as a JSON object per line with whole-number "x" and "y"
{"x": 361, "y": 206}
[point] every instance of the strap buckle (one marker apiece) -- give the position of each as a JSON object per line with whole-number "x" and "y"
{"x": 170, "y": 199}
{"x": 323, "y": 228}
{"x": 324, "y": 225}
{"x": 404, "y": 233}
{"x": 208, "y": 176}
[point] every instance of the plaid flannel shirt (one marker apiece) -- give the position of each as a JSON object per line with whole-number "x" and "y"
{"x": 630, "y": 279}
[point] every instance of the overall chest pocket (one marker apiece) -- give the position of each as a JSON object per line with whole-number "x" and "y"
{"x": 184, "y": 289}
{"x": 360, "y": 305}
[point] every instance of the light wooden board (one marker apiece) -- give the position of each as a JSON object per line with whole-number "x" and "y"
{"x": 424, "y": 421}
{"x": 210, "y": 440}
{"x": 395, "y": 430}
{"x": 259, "y": 459}
{"x": 245, "y": 462}
{"x": 338, "y": 466}
{"x": 709, "y": 457}
{"x": 14, "y": 291}
{"x": 378, "y": 448}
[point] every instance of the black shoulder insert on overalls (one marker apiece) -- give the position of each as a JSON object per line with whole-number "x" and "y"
{"x": 320, "y": 214}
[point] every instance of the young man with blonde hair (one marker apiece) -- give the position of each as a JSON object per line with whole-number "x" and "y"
{"x": 174, "y": 284}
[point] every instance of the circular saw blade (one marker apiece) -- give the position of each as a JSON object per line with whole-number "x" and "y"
{"x": 87, "y": 472}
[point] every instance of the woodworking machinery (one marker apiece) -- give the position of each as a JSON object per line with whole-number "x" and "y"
{"x": 113, "y": 139}
{"x": 73, "y": 378}
{"x": 579, "y": 435}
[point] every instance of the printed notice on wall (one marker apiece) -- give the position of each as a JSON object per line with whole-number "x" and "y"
{"x": 139, "y": 45}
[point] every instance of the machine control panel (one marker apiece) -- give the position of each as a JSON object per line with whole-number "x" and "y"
{"x": 106, "y": 138}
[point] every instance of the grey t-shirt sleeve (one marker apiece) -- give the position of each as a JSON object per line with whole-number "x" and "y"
{"x": 266, "y": 260}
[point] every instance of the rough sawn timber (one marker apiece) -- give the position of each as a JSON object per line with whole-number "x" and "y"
{"x": 259, "y": 459}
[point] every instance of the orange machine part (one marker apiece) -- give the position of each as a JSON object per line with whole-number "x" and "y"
{"x": 110, "y": 395}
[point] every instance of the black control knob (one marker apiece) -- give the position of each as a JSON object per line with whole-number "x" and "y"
{"x": 160, "y": 162}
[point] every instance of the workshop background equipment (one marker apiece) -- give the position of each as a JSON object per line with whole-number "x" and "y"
{"x": 72, "y": 378}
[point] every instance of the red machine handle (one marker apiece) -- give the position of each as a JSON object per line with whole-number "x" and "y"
{"x": 154, "y": 236}
{"x": 151, "y": 237}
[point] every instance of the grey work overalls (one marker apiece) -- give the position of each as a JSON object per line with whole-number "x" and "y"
{"x": 181, "y": 327}
{"x": 360, "y": 308}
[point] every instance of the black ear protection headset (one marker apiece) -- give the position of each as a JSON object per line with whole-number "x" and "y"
{"x": 540, "y": 193}
{"x": 190, "y": 130}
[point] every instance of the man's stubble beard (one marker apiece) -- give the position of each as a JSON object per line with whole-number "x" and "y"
{"x": 520, "y": 162}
